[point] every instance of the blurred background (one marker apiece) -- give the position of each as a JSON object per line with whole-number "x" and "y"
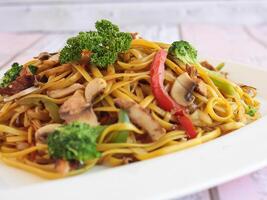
{"x": 214, "y": 26}
{"x": 221, "y": 29}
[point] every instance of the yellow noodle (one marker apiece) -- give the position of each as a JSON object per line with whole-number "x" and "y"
{"x": 118, "y": 127}
{"x": 106, "y": 109}
{"x": 25, "y": 151}
{"x": 19, "y": 138}
{"x": 96, "y": 72}
{"x": 10, "y": 130}
{"x": 179, "y": 146}
{"x": 144, "y": 43}
{"x": 210, "y": 109}
{"x": 128, "y": 78}
{"x": 83, "y": 72}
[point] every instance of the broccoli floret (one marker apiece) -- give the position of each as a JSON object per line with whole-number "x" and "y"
{"x": 183, "y": 52}
{"x": 11, "y": 75}
{"x": 75, "y": 141}
{"x": 251, "y": 111}
{"x": 104, "y": 44}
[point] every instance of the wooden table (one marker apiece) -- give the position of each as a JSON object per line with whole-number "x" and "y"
{"x": 238, "y": 43}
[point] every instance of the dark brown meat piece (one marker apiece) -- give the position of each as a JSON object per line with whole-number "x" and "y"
{"x": 19, "y": 84}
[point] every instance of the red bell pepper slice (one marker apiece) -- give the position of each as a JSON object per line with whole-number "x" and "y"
{"x": 163, "y": 98}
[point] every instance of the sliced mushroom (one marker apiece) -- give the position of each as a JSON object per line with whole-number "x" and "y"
{"x": 182, "y": 90}
{"x": 94, "y": 87}
{"x": 58, "y": 93}
{"x": 79, "y": 106}
{"x": 45, "y": 55}
{"x": 76, "y": 108}
{"x": 54, "y": 57}
{"x": 141, "y": 118}
{"x": 42, "y": 133}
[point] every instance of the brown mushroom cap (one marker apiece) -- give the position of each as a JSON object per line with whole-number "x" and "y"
{"x": 79, "y": 106}
{"x": 93, "y": 88}
{"x": 182, "y": 90}
{"x": 42, "y": 133}
{"x": 58, "y": 93}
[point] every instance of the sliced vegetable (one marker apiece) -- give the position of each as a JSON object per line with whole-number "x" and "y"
{"x": 220, "y": 66}
{"x": 50, "y": 106}
{"x": 163, "y": 98}
{"x": 182, "y": 51}
{"x": 222, "y": 83}
{"x": 121, "y": 136}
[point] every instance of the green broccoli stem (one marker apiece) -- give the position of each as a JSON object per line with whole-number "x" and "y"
{"x": 223, "y": 84}
{"x": 183, "y": 52}
{"x": 220, "y": 66}
{"x": 121, "y": 136}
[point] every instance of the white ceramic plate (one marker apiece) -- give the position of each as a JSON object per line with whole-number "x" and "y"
{"x": 173, "y": 175}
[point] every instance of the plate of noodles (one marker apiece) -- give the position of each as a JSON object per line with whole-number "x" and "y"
{"x": 116, "y": 116}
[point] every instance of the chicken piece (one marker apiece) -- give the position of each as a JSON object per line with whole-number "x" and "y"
{"x": 86, "y": 116}
{"x": 79, "y": 106}
{"x": 75, "y": 104}
{"x": 58, "y": 93}
{"x": 141, "y": 118}
{"x": 76, "y": 108}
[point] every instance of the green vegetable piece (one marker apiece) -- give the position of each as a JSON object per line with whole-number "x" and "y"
{"x": 182, "y": 51}
{"x": 50, "y": 106}
{"x": 33, "y": 69}
{"x": 11, "y": 75}
{"x": 75, "y": 141}
{"x": 104, "y": 44}
{"x": 222, "y": 83}
{"x": 220, "y": 66}
{"x": 251, "y": 111}
{"x": 121, "y": 136}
